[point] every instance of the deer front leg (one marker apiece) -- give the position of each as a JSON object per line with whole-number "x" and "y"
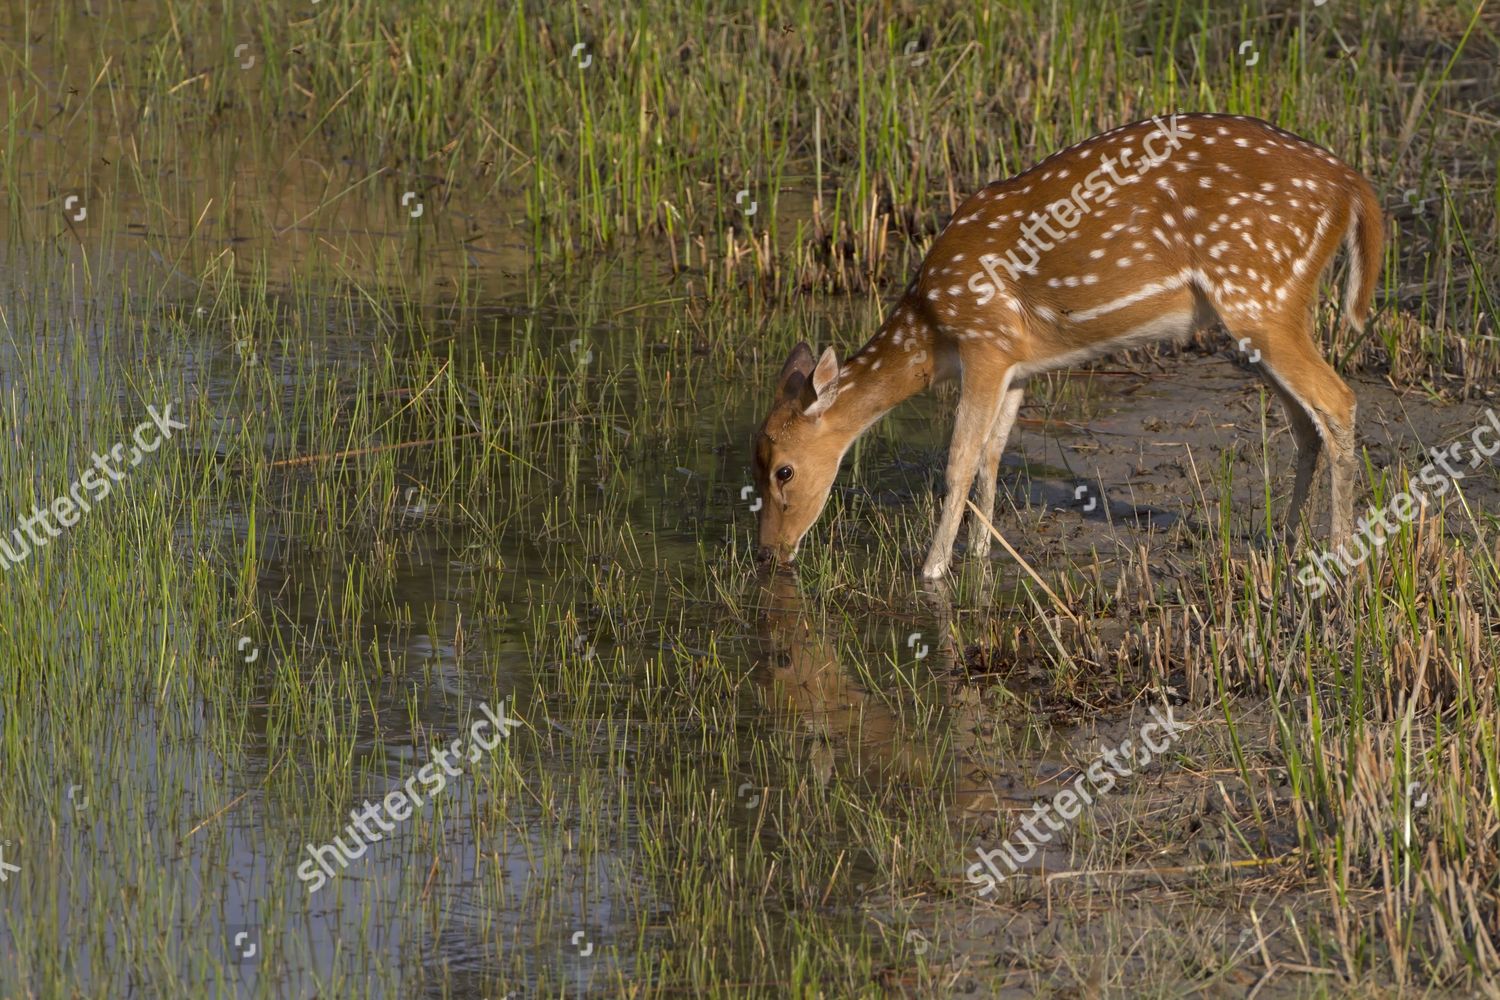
{"x": 978, "y": 409}
{"x": 989, "y": 468}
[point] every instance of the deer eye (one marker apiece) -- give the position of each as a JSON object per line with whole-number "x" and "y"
{"x": 784, "y": 474}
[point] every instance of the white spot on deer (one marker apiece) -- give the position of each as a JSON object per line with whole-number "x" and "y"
{"x": 1140, "y": 294}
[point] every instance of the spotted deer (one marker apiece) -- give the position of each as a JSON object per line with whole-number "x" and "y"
{"x": 1152, "y": 231}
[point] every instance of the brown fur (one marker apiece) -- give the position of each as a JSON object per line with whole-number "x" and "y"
{"x": 1230, "y": 221}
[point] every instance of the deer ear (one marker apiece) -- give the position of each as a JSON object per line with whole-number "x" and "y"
{"x": 824, "y": 384}
{"x": 799, "y": 365}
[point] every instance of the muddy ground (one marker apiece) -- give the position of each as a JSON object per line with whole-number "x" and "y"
{"x": 1160, "y": 873}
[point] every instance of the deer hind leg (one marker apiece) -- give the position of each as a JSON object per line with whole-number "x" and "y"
{"x": 1309, "y": 449}
{"x": 1327, "y": 410}
{"x": 984, "y": 389}
{"x": 989, "y": 468}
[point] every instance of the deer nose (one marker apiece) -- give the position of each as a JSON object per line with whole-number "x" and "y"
{"x": 780, "y": 555}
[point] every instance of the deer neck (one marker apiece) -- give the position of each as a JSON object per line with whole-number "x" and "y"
{"x": 894, "y": 365}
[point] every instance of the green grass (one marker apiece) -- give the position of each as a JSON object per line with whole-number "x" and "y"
{"x": 496, "y": 451}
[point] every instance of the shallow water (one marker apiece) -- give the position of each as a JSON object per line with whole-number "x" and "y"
{"x": 614, "y": 576}
{"x": 710, "y": 775}
{"x": 679, "y": 716}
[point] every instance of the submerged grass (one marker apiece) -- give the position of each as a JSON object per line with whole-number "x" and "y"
{"x": 495, "y": 450}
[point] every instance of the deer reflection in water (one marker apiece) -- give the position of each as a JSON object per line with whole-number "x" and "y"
{"x": 806, "y": 687}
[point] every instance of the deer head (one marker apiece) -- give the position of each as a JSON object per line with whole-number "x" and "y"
{"x": 797, "y": 452}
